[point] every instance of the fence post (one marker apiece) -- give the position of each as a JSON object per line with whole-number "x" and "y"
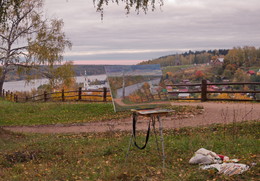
{"x": 62, "y": 95}
{"x": 16, "y": 98}
{"x": 104, "y": 94}
{"x": 45, "y": 96}
{"x": 26, "y": 98}
{"x": 203, "y": 90}
{"x": 11, "y": 96}
{"x": 3, "y": 93}
{"x": 7, "y": 94}
{"x": 80, "y": 93}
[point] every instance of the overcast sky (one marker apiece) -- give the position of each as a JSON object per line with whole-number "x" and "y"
{"x": 178, "y": 26}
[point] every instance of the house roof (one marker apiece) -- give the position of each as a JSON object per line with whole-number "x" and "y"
{"x": 251, "y": 72}
{"x": 221, "y": 60}
{"x": 218, "y": 61}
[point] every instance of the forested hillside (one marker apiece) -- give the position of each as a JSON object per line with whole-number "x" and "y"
{"x": 186, "y": 58}
{"x": 240, "y": 64}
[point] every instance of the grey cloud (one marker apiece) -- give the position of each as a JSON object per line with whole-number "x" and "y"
{"x": 187, "y": 24}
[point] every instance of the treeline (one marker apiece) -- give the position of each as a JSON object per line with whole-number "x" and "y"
{"x": 186, "y": 58}
{"x": 246, "y": 56}
{"x": 79, "y": 70}
{"x": 90, "y": 69}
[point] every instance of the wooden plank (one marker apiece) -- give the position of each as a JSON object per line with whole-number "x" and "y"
{"x": 234, "y": 91}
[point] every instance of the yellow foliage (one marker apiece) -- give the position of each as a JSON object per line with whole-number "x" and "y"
{"x": 241, "y": 96}
{"x": 232, "y": 96}
{"x": 135, "y": 98}
{"x": 224, "y": 96}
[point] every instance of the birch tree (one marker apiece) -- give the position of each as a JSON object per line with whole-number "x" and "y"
{"x": 27, "y": 39}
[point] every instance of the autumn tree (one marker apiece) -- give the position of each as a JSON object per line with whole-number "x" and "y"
{"x": 28, "y": 40}
{"x": 233, "y": 57}
{"x": 243, "y": 56}
{"x": 4, "y": 4}
{"x": 250, "y": 54}
{"x": 229, "y": 71}
{"x": 199, "y": 75}
{"x": 241, "y": 76}
{"x": 62, "y": 77}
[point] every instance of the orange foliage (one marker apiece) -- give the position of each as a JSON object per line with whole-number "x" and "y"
{"x": 199, "y": 74}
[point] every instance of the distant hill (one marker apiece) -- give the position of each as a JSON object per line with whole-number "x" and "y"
{"x": 79, "y": 71}
{"x": 90, "y": 69}
{"x": 186, "y": 58}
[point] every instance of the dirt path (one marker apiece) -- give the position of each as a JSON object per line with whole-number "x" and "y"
{"x": 213, "y": 113}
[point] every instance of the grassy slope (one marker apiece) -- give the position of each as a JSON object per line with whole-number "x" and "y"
{"x": 52, "y": 113}
{"x": 101, "y": 156}
{"x": 64, "y": 113}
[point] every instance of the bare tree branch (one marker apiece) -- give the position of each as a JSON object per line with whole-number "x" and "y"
{"x": 3, "y": 37}
{"x": 19, "y": 48}
{"x": 4, "y": 49}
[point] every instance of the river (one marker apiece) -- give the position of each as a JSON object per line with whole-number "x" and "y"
{"x": 23, "y": 86}
{"x": 132, "y": 88}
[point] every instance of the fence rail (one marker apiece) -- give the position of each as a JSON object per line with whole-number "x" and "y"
{"x": 77, "y": 95}
{"x": 205, "y": 93}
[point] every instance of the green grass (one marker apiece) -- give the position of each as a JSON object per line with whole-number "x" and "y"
{"x": 18, "y": 114}
{"x": 53, "y": 113}
{"x": 102, "y": 156}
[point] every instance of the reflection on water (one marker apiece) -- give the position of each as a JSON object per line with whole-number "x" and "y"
{"x": 23, "y": 86}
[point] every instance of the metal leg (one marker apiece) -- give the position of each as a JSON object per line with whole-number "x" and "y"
{"x": 156, "y": 139}
{"x": 162, "y": 140}
{"x": 130, "y": 143}
{"x": 129, "y": 146}
{"x": 153, "y": 119}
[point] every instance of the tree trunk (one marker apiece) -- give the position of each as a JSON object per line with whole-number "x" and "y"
{"x": 2, "y": 79}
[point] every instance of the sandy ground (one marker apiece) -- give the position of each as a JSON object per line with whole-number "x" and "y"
{"x": 213, "y": 113}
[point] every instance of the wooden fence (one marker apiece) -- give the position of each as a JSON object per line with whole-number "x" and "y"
{"x": 205, "y": 92}
{"x": 77, "y": 95}
{"x": 202, "y": 91}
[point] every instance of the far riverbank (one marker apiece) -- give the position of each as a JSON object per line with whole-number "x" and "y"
{"x": 22, "y": 85}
